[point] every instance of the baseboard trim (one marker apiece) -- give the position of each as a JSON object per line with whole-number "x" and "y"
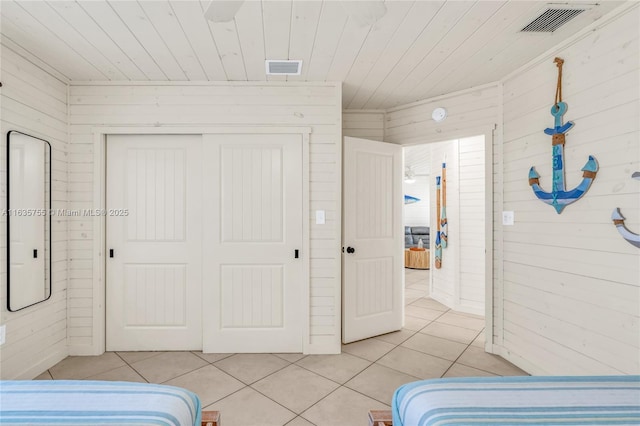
{"x": 42, "y": 366}
{"x": 84, "y": 350}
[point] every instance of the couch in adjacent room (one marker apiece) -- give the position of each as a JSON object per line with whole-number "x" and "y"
{"x": 413, "y": 234}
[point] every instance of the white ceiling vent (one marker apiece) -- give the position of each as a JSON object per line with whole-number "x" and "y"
{"x": 283, "y": 67}
{"x": 550, "y": 20}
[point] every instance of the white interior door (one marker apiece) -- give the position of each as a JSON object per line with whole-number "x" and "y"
{"x": 27, "y": 191}
{"x": 154, "y": 227}
{"x": 373, "y": 239}
{"x": 253, "y": 280}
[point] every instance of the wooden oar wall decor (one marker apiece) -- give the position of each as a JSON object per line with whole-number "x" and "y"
{"x": 438, "y": 245}
{"x": 443, "y": 216}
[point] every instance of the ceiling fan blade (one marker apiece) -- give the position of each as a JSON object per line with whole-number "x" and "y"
{"x": 222, "y": 10}
{"x": 365, "y": 13}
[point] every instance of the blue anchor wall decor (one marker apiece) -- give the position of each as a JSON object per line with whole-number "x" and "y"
{"x": 560, "y": 197}
{"x": 618, "y": 221}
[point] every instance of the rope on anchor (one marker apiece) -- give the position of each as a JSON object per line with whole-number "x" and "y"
{"x": 558, "y": 98}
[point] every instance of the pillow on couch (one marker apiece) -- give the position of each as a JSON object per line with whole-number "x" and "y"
{"x": 413, "y": 234}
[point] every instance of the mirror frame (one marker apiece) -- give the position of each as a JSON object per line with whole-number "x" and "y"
{"x": 48, "y": 244}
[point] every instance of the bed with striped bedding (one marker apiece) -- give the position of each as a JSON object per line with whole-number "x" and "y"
{"x": 79, "y": 402}
{"x": 592, "y": 400}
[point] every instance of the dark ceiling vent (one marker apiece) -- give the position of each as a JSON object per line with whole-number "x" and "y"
{"x": 283, "y": 67}
{"x": 551, "y": 19}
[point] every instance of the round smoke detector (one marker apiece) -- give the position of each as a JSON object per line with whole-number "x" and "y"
{"x": 439, "y": 114}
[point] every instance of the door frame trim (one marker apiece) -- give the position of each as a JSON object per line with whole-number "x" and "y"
{"x": 98, "y": 339}
{"x": 490, "y": 136}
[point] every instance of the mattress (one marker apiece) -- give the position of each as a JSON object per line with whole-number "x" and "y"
{"x": 596, "y": 400}
{"x": 79, "y": 402}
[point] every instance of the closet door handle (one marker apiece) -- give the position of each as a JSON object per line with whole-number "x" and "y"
{"x": 111, "y": 253}
{"x": 35, "y": 253}
{"x": 296, "y": 254}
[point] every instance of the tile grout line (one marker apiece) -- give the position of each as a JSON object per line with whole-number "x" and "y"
{"x": 211, "y": 362}
{"x": 338, "y": 383}
{"x": 267, "y": 396}
{"x": 414, "y": 350}
{"x": 422, "y": 353}
{"x": 130, "y": 366}
{"x": 364, "y": 394}
{"x": 226, "y": 396}
{"x": 468, "y": 345}
{"x": 411, "y": 334}
{"x": 343, "y": 385}
{"x": 257, "y": 391}
{"x": 163, "y": 352}
{"x": 334, "y": 391}
{"x": 462, "y": 353}
{"x": 299, "y": 416}
{"x": 273, "y": 400}
{"x": 369, "y": 396}
{"x": 254, "y": 389}
{"x": 102, "y": 372}
{"x": 255, "y": 381}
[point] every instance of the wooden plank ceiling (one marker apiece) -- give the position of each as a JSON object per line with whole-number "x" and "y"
{"x": 386, "y": 53}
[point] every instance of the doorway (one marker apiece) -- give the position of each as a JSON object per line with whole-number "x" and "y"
{"x": 460, "y": 197}
{"x": 418, "y": 232}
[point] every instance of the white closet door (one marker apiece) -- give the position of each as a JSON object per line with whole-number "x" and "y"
{"x": 253, "y": 281}
{"x": 372, "y": 262}
{"x": 154, "y": 227}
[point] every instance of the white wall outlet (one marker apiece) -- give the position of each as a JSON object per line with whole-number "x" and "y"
{"x": 508, "y": 218}
{"x": 320, "y": 218}
{"x": 2, "y": 334}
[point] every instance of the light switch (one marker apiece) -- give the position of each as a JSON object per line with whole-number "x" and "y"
{"x": 2, "y": 334}
{"x": 507, "y": 218}
{"x": 320, "y": 217}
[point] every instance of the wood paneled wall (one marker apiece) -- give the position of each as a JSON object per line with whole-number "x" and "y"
{"x": 473, "y": 235}
{"x": 566, "y": 290}
{"x": 365, "y": 124}
{"x": 460, "y": 283}
{"x": 470, "y": 112}
{"x": 207, "y": 105}
{"x": 34, "y": 102}
{"x": 568, "y": 301}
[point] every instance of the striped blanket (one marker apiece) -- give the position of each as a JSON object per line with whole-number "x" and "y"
{"x": 598, "y": 400}
{"x": 78, "y": 402}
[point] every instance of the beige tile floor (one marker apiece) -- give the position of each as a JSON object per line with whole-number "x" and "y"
{"x": 297, "y": 390}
